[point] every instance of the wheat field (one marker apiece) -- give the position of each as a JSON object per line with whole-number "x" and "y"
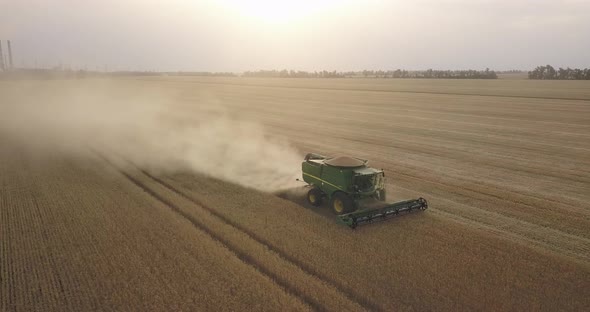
{"x": 169, "y": 193}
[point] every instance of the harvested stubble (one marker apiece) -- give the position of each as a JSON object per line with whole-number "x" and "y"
{"x": 505, "y": 171}
{"x": 76, "y": 235}
{"x": 419, "y": 261}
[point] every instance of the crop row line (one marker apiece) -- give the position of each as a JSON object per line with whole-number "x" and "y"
{"x": 577, "y": 246}
{"x": 417, "y": 148}
{"x": 482, "y": 189}
{"x": 381, "y": 90}
{"x": 200, "y": 226}
{"x": 286, "y": 257}
{"x": 243, "y": 256}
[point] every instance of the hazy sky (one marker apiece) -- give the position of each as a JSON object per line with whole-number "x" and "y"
{"x": 233, "y": 35}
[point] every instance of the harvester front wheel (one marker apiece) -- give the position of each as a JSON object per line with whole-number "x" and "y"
{"x": 381, "y": 195}
{"x": 314, "y": 197}
{"x": 341, "y": 203}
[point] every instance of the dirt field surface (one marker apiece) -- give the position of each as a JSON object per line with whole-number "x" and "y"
{"x": 90, "y": 225}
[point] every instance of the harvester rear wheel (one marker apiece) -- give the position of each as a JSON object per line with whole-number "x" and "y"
{"x": 314, "y": 197}
{"x": 341, "y": 203}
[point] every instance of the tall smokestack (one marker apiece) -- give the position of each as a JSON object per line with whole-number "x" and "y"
{"x": 10, "y": 55}
{"x": 1, "y": 57}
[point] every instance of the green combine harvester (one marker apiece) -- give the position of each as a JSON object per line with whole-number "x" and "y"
{"x": 356, "y": 192}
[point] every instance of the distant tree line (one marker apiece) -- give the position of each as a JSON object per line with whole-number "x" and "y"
{"x": 545, "y": 73}
{"x": 178, "y": 73}
{"x": 398, "y": 73}
{"x": 432, "y": 74}
{"x": 293, "y": 74}
{"x": 510, "y": 71}
{"x": 204, "y": 74}
{"x": 37, "y": 73}
{"x": 549, "y": 73}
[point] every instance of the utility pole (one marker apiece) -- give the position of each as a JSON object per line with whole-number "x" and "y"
{"x": 1, "y": 57}
{"x": 10, "y": 55}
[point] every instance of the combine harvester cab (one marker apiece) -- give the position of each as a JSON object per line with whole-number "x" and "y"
{"x": 355, "y": 191}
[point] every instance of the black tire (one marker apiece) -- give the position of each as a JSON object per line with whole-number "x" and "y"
{"x": 314, "y": 197}
{"x": 341, "y": 203}
{"x": 381, "y": 195}
{"x": 424, "y": 203}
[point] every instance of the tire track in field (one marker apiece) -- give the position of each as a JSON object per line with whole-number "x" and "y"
{"x": 7, "y": 284}
{"x": 413, "y": 138}
{"x": 543, "y": 211}
{"x": 548, "y": 238}
{"x": 238, "y": 102}
{"x": 380, "y": 90}
{"x": 485, "y": 190}
{"x": 428, "y": 150}
{"x": 574, "y": 246}
{"x": 489, "y": 193}
{"x": 286, "y": 257}
{"x": 463, "y": 156}
{"x": 244, "y": 256}
{"x": 509, "y": 235}
{"x": 10, "y": 208}
{"x": 506, "y": 234}
{"x": 54, "y": 278}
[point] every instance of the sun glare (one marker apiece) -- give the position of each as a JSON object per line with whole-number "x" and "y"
{"x": 280, "y": 12}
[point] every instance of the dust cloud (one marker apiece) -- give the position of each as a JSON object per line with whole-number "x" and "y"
{"x": 156, "y": 129}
